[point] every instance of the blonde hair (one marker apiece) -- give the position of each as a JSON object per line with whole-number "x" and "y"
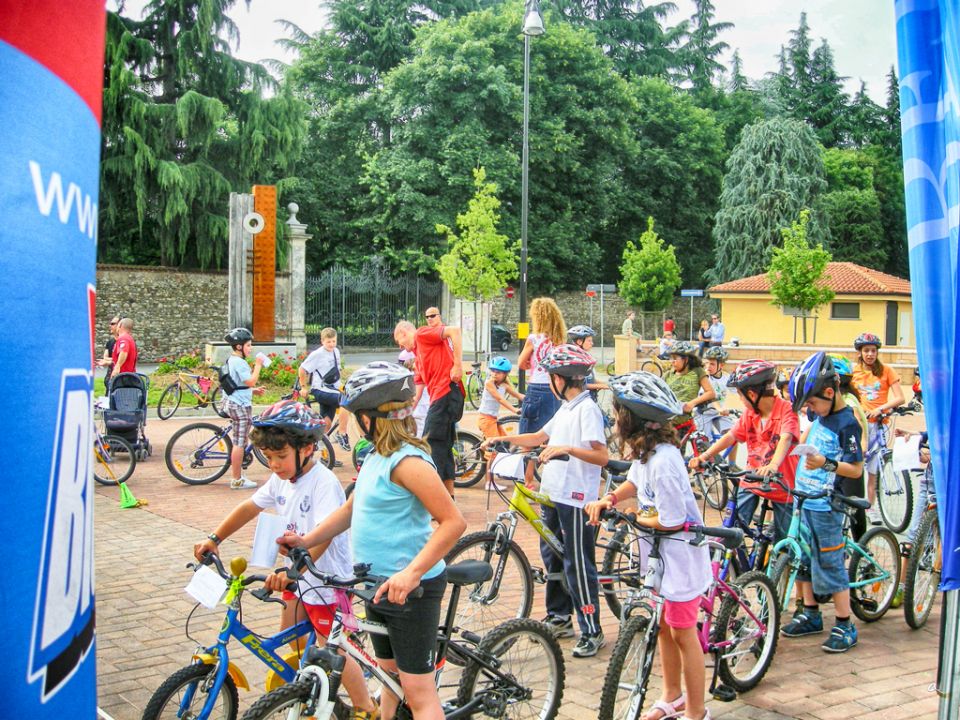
{"x": 547, "y": 319}
{"x": 390, "y": 435}
{"x": 327, "y": 333}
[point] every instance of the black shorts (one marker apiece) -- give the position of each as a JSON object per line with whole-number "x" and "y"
{"x": 411, "y": 627}
{"x": 328, "y": 402}
{"x": 440, "y": 430}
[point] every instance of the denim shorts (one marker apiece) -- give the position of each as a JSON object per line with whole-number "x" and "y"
{"x": 875, "y": 448}
{"x": 827, "y": 564}
{"x": 538, "y": 408}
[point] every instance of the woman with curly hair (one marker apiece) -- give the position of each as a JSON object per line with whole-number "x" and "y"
{"x": 549, "y": 329}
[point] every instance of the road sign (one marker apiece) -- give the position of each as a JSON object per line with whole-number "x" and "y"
{"x": 508, "y": 292}
{"x": 602, "y": 288}
{"x": 591, "y": 293}
{"x": 691, "y": 293}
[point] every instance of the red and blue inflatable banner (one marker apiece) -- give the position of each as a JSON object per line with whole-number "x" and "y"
{"x": 928, "y": 46}
{"x": 51, "y": 55}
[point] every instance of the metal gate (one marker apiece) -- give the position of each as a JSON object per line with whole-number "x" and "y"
{"x": 364, "y": 306}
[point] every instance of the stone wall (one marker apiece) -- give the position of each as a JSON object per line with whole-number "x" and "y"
{"x": 174, "y": 311}
{"x": 576, "y": 311}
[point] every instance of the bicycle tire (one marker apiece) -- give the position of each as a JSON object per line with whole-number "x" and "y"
{"x": 513, "y": 596}
{"x": 261, "y": 458}
{"x": 469, "y": 463}
{"x": 622, "y": 554}
{"x": 285, "y": 697}
{"x": 523, "y": 649}
{"x": 871, "y": 602}
{"x": 184, "y": 459}
{"x": 611, "y": 368}
{"x": 169, "y": 401}
{"x": 509, "y": 424}
{"x": 651, "y": 366}
{"x": 474, "y": 391}
{"x": 896, "y": 506}
{"x": 783, "y": 575}
{"x": 218, "y": 401}
{"x": 713, "y": 488}
{"x": 919, "y": 596}
{"x": 631, "y": 662}
{"x": 759, "y": 593}
{"x": 181, "y": 680}
{"x": 116, "y": 464}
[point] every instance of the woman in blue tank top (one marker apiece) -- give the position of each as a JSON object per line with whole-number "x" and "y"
{"x": 398, "y": 492}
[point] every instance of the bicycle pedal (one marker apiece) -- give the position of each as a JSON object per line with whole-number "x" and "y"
{"x": 724, "y": 693}
{"x": 869, "y": 604}
{"x": 539, "y": 576}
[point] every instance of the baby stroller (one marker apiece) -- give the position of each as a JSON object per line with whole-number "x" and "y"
{"x": 127, "y": 414}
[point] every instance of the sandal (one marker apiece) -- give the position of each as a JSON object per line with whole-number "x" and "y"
{"x": 706, "y": 715}
{"x": 668, "y": 709}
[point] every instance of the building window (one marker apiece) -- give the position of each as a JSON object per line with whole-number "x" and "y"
{"x": 844, "y": 311}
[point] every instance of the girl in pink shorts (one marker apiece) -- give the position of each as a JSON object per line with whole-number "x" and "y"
{"x": 643, "y": 406}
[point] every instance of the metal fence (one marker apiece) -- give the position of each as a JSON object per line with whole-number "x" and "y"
{"x": 364, "y": 306}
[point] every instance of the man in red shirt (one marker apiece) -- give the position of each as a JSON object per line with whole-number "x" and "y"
{"x": 669, "y": 325}
{"x": 439, "y": 368}
{"x": 125, "y": 349}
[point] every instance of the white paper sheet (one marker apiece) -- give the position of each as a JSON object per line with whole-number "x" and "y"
{"x": 906, "y": 453}
{"x": 804, "y": 450}
{"x": 206, "y": 587}
{"x": 269, "y": 528}
{"x": 508, "y": 465}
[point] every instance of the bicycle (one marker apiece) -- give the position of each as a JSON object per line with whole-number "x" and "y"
{"x": 694, "y": 441}
{"x": 872, "y": 584}
{"x": 199, "y": 453}
{"x": 207, "y": 687}
{"x": 114, "y": 460}
{"x": 742, "y": 635}
{"x": 924, "y": 564}
{"x": 652, "y": 363}
{"x": 469, "y": 460}
{"x": 894, "y": 489}
{"x": 518, "y": 662}
{"x": 204, "y": 390}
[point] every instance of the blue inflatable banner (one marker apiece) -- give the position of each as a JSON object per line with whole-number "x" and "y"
{"x": 51, "y": 53}
{"x": 929, "y": 59}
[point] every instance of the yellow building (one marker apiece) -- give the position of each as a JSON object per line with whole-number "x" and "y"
{"x": 866, "y": 301}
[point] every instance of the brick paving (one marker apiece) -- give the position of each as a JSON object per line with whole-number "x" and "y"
{"x": 140, "y": 575}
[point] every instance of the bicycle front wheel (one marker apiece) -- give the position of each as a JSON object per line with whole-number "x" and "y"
{"x": 877, "y": 583}
{"x": 529, "y": 656}
{"x": 923, "y": 571}
{"x": 894, "y": 494}
{"x": 289, "y": 702}
{"x": 169, "y": 401}
{"x": 113, "y": 460}
{"x": 713, "y": 488}
{"x": 474, "y": 390}
{"x": 198, "y": 453}
{"x": 651, "y": 366}
{"x": 628, "y": 674}
{"x": 508, "y": 594}
{"x": 783, "y": 574}
{"x": 184, "y": 694}
{"x": 468, "y": 459}
{"x": 509, "y": 424}
{"x": 747, "y": 631}
{"x": 620, "y": 569}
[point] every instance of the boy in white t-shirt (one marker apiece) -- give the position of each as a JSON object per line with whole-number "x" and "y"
{"x": 304, "y": 492}
{"x": 575, "y": 431}
{"x": 319, "y": 378}
{"x": 713, "y": 418}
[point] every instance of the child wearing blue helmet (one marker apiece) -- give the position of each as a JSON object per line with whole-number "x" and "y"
{"x": 494, "y": 389}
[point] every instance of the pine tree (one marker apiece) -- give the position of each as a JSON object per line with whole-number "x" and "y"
{"x": 827, "y": 106}
{"x": 738, "y": 81}
{"x": 866, "y": 119}
{"x": 798, "y": 55}
{"x": 774, "y": 172}
{"x": 702, "y": 48}
{"x": 184, "y": 124}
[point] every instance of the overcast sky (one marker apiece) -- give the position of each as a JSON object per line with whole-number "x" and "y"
{"x": 861, "y": 32}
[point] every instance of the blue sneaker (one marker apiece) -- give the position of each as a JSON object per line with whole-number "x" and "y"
{"x": 803, "y": 623}
{"x": 842, "y": 638}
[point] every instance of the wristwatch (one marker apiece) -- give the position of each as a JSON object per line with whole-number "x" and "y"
{"x": 830, "y": 465}
{"x": 216, "y": 538}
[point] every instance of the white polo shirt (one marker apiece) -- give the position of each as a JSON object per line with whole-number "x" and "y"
{"x": 577, "y": 423}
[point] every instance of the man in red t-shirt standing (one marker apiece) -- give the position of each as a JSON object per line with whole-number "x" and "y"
{"x": 669, "y": 326}
{"x": 439, "y": 367}
{"x": 125, "y": 349}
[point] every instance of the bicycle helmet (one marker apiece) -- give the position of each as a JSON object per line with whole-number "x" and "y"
{"x": 580, "y": 332}
{"x": 647, "y": 396}
{"x": 684, "y": 347}
{"x": 238, "y": 336}
{"x": 362, "y": 448}
{"x": 842, "y": 365}
{"x": 782, "y": 380}
{"x": 377, "y": 383}
{"x": 752, "y": 373}
{"x": 716, "y": 353}
{"x": 294, "y": 417}
{"x": 500, "y": 364}
{"x": 867, "y": 339}
{"x": 568, "y": 360}
{"x": 811, "y": 378}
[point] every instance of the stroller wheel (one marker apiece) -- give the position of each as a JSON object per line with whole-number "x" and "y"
{"x": 149, "y": 448}
{"x": 141, "y": 454}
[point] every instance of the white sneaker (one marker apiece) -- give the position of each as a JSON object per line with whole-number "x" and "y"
{"x": 874, "y": 516}
{"x": 242, "y": 484}
{"x": 493, "y": 486}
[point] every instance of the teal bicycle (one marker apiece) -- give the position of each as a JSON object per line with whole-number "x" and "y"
{"x": 874, "y": 562}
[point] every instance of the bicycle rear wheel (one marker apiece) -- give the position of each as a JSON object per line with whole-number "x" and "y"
{"x": 198, "y": 453}
{"x": 184, "y": 694}
{"x": 752, "y": 638}
{"x": 169, "y": 401}
{"x": 878, "y": 582}
{"x": 782, "y": 574}
{"x": 923, "y": 571}
{"x": 620, "y": 569}
{"x": 628, "y": 674}
{"x": 218, "y": 401}
{"x": 713, "y": 488}
{"x": 651, "y": 366}
{"x": 474, "y": 390}
{"x": 468, "y": 459}
{"x": 509, "y": 424}
{"x": 113, "y": 460}
{"x": 529, "y": 656}
{"x": 894, "y": 494}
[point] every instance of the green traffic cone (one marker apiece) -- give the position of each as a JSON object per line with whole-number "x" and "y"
{"x": 127, "y": 500}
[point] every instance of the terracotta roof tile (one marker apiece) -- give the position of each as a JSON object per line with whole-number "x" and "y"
{"x": 844, "y": 278}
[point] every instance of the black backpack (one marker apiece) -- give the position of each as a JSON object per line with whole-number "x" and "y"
{"x": 227, "y": 383}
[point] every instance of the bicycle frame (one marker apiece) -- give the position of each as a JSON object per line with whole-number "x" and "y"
{"x": 762, "y": 541}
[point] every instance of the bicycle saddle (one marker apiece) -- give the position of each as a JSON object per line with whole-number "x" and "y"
{"x": 854, "y": 502}
{"x": 618, "y": 467}
{"x": 469, "y": 572}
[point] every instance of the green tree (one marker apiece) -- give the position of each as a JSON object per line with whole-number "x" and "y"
{"x": 184, "y": 124}
{"x": 650, "y": 273}
{"x": 866, "y": 121}
{"x": 827, "y": 107}
{"x": 700, "y": 52}
{"x": 775, "y": 171}
{"x": 738, "y": 81}
{"x": 796, "y": 272}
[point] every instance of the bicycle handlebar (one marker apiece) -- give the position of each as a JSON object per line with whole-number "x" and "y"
{"x": 731, "y": 537}
{"x": 502, "y": 447}
{"x": 301, "y": 559}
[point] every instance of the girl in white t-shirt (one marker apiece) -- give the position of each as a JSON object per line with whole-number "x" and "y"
{"x": 644, "y": 405}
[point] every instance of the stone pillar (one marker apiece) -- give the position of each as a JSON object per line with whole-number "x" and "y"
{"x": 298, "y": 278}
{"x": 240, "y": 302}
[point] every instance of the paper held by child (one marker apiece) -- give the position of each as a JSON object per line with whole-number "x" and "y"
{"x": 906, "y": 453}
{"x": 206, "y": 587}
{"x": 269, "y": 528}
{"x": 804, "y": 450}
{"x": 507, "y": 465}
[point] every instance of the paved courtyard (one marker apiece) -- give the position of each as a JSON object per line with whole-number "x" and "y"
{"x": 141, "y": 610}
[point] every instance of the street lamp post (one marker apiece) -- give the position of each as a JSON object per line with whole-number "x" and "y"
{"x": 532, "y": 26}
